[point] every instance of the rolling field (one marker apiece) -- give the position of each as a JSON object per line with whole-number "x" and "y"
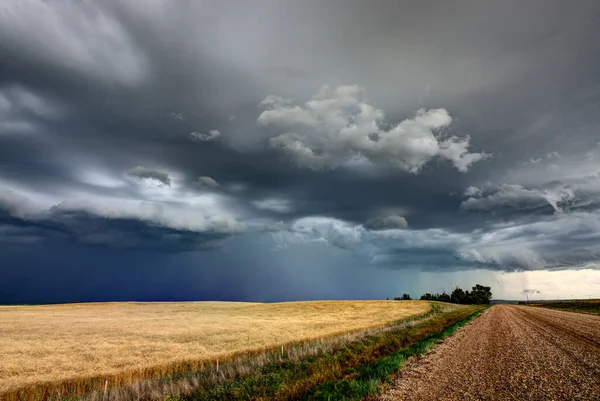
{"x": 82, "y": 344}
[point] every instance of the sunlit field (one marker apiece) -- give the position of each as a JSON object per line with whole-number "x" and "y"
{"x": 41, "y": 345}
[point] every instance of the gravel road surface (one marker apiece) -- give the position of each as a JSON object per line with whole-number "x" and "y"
{"x": 510, "y": 353}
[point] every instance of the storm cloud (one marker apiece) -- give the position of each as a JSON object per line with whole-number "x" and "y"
{"x": 413, "y": 136}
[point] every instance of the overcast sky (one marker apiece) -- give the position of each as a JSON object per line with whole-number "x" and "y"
{"x": 280, "y": 150}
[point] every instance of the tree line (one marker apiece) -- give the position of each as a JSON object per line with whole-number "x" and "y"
{"x": 479, "y": 294}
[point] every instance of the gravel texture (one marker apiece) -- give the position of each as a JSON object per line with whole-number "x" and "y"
{"x": 510, "y": 353}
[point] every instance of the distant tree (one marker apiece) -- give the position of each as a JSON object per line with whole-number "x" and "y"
{"x": 406, "y": 297}
{"x": 431, "y": 297}
{"x": 479, "y": 295}
{"x": 527, "y": 292}
{"x": 457, "y": 296}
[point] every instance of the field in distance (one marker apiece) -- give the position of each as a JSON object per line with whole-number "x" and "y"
{"x": 591, "y": 306}
{"x": 41, "y": 345}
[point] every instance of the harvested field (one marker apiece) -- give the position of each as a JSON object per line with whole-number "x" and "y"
{"x": 510, "y": 353}
{"x": 48, "y": 345}
{"x": 591, "y": 306}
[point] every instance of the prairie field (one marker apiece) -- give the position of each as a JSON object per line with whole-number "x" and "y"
{"x": 43, "y": 346}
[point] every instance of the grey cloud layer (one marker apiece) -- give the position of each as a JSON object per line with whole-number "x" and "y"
{"x": 142, "y": 172}
{"x": 142, "y": 225}
{"x": 391, "y": 160}
{"x": 207, "y": 183}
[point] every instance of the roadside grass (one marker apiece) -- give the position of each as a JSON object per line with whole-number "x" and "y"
{"x": 368, "y": 380}
{"x": 347, "y": 367}
{"x": 580, "y": 306}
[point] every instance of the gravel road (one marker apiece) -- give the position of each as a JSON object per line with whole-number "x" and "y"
{"x": 510, "y": 353}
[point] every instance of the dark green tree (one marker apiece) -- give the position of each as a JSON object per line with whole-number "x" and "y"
{"x": 443, "y": 297}
{"x": 480, "y": 295}
{"x": 457, "y": 296}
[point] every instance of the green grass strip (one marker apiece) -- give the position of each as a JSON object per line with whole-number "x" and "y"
{"x": 369, "y": 379}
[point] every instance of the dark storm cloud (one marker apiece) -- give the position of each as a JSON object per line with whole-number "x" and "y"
{"x": 21, "y": 224}
{"x": 99, "y": 87}
{"x": 205, "y": 182}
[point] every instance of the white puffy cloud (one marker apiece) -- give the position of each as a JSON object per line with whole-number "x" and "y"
{"x": 143, "y": 173}
{"x": 205, "y": 137}
{"x": 338, "y": 124}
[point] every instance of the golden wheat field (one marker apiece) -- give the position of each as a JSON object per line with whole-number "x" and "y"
{"x": 47, "y": 344}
